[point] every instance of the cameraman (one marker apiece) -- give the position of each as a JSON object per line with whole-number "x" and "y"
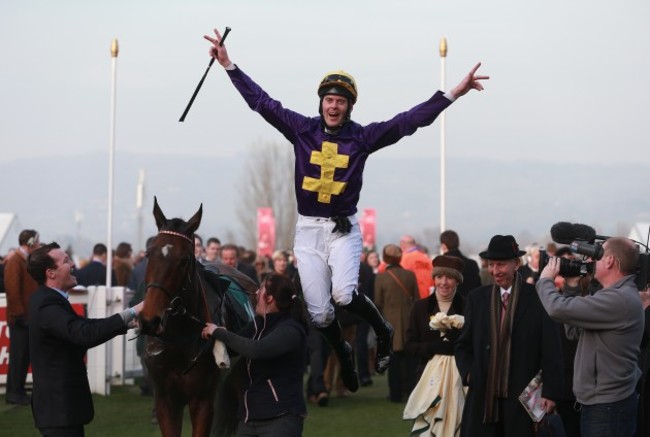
{"x": 611, "y": 323}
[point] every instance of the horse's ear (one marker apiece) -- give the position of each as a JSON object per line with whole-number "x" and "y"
{"x": 158, "y": 214}
{"x": 195, "y": 221}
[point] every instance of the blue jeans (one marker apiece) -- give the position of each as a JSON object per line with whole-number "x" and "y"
{"x": 615, "y": 419}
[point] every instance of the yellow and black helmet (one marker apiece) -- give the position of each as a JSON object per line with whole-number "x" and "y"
{"x": 338, "y": 83}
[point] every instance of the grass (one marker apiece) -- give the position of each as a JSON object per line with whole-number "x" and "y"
{"x": 126, "y": 413}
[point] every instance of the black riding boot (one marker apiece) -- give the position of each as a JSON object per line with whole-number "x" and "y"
{"x": 334, "y": 337}
{"x": 364, "y": 308}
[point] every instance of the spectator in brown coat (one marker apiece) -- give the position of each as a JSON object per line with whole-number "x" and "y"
{"x": 123, "y": 264}
{"x": 19, "y": 286}
{"x": 396, "y": 290}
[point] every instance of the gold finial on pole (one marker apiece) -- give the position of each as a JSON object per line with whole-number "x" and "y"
{"x": 443, "y": 48}
{"x": 114, "y": 48}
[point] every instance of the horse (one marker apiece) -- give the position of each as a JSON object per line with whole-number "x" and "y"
{"x": 181, "y": 366}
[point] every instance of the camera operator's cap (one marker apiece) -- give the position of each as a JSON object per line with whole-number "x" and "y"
{"x": 451, "y": 266}
{"x": 502, "y": 247}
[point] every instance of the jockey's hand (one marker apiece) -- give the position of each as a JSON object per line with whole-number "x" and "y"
{"x": 342, "y": 225}
{"x": 218, "y": 51}
{"x": 469, "y": 82}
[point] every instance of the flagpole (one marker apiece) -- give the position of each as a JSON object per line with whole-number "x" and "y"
{"x": 111, "y": 164}
{"x": 139, "y": 202}
{"x": 443, "y": 177}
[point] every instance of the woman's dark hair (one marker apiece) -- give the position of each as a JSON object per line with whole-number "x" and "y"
{"x": 286, "y": 297}
{"x": 39, "y": 261}
{"x": 124, "y": 250}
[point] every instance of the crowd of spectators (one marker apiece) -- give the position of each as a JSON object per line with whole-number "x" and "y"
{"x": 409, "y": 293}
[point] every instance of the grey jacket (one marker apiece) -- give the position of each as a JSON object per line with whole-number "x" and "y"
{"x": 611, "y": 321}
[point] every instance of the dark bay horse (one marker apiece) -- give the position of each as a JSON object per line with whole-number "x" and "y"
{"x": 181, "y": 365}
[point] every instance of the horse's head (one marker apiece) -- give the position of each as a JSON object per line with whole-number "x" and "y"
{"x": 170, "y": 269}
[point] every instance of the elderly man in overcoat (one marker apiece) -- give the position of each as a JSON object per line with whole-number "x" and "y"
{"x": 507, "y": 339}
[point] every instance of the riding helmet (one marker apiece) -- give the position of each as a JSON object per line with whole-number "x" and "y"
{"x": 339, "y": 83}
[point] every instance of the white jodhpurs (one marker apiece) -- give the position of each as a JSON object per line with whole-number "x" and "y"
{"x": 328, "y": 264}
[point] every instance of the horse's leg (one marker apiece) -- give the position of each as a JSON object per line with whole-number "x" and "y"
{"x": 201, "y": 412}
{"x": 170, "y": 416}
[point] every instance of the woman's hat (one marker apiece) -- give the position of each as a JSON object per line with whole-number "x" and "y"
{"x": 502, "y": 247}
{"x": 449, "y": 266}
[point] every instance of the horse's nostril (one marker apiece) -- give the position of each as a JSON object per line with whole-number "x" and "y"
{"x": 150, "y": 327}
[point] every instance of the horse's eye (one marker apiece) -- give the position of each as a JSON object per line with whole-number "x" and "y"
{"x": 146, "y": 254}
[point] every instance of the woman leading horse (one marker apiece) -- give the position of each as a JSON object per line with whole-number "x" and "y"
{"x": 274, "y": 347}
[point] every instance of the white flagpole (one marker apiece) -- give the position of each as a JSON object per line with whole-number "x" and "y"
{"x": 443, "y": 201}
{"x": 139, "y": 202}
{"x": 111, "y": 161}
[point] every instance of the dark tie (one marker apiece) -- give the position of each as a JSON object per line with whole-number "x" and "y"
{"x": 504, "y": 306}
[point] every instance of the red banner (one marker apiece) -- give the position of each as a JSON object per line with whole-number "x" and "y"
{"x": 265, "y": 232}
{"x": 4, "y": 341}
{"x": 4, "y": 337}
{"x": 368, "y": 228}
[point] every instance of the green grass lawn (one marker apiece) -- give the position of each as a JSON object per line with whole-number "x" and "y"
{"x": 126, "y": 413}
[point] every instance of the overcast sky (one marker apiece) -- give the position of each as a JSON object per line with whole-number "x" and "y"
{"x": 569, "y": 78}
{"x": 569, "y": 84}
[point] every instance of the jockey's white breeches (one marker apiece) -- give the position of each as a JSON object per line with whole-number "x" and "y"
{"x": 328, "y": 265}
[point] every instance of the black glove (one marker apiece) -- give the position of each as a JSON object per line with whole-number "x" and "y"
{"x": 343, "y": 225}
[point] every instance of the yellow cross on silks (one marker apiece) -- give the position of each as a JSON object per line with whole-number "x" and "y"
{"x": 329, "y": 160}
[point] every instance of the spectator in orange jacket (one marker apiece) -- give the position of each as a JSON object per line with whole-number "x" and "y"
{"x": 418, "y": 262}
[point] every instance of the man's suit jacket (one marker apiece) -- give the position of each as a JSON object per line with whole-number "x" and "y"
{"x": 59, "y": 339}
{"x": 93, "y": 273}
{"x": 535, "y": 345}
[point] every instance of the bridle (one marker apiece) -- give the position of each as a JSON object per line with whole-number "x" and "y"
{"x": 176, "y": 307}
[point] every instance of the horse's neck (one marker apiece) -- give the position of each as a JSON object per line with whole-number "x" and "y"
{"x": 198, "y": 303}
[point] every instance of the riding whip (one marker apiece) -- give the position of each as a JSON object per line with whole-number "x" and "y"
{"x": 198, "y": 87}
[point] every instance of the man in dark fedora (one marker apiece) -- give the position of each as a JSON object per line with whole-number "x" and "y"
{"x": 507, "y": 339}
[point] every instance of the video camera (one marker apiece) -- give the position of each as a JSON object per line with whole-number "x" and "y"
{"x": 583, "y": 240}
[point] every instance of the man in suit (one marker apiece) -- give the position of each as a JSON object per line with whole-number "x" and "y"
{"x": 213, "y": 250}
{"x": 59, "y": 339}
{"x": 449, "y": 245}
{"x": 94, "y": 273}
{"x": 19, "y": 287}
{"x": 507, "y": 339}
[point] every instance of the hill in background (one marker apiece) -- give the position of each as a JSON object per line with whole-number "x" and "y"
{"x": 65, "y": 197}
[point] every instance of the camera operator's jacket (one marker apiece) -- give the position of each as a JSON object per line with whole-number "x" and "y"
{"x": 611, "y": 322}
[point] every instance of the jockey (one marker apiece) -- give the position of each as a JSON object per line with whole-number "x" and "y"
{"x": 331, "y": 151}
